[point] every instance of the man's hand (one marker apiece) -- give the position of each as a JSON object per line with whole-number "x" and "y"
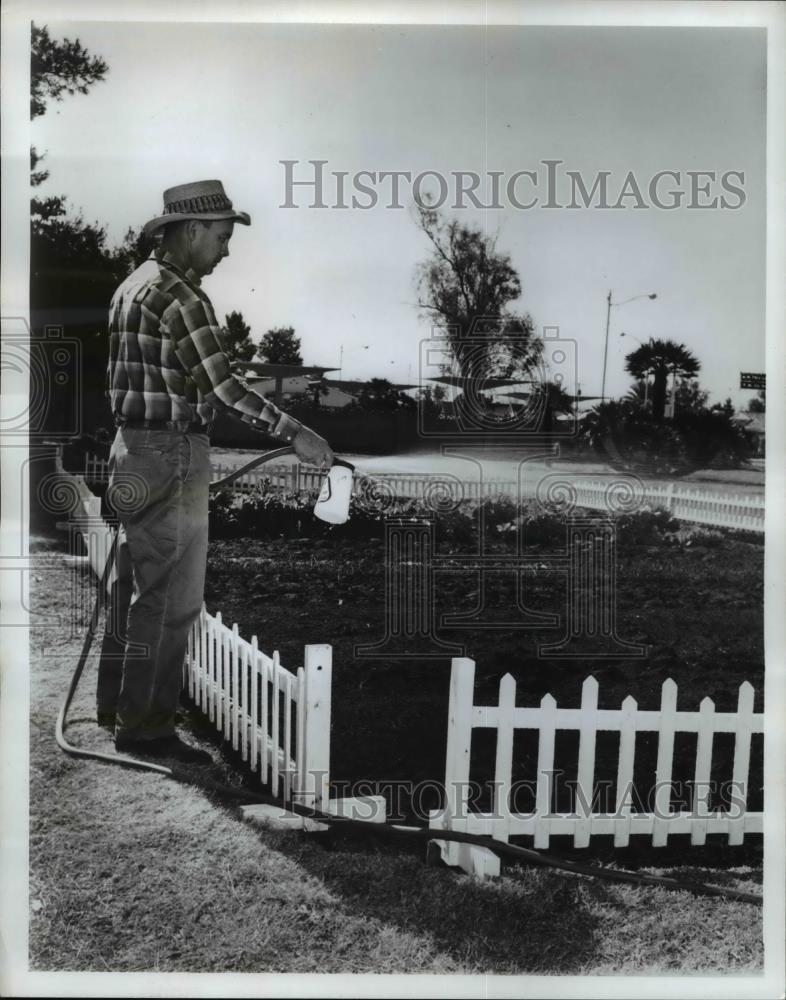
{"x": 310, "y": 447}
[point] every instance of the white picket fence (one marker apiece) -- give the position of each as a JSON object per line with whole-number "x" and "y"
{"x": 501, "y": 823}
{"x": 745, "y": 513}
{"x": 294, "y": 477}
{"x": 278, "y": 721}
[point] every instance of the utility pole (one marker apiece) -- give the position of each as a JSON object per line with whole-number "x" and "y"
{"x": 606, "y": 348}
{"x": 609, "y": 304}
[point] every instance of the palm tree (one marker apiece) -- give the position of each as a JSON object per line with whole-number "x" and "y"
{"x": 660, "y": 358}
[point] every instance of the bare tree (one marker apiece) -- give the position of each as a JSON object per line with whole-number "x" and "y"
{"x": 465, "y": 287}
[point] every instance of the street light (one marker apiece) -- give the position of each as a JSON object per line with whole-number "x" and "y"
{"x": 649, "y": 295}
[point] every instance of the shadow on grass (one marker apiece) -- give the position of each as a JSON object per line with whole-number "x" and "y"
{"x": 532, "y": 921}
{"x": 535, "y": 921}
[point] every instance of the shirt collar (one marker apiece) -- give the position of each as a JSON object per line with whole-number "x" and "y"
{"x": 167, "y": 260}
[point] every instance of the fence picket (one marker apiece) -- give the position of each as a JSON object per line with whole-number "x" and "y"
{"x": 235, "y": 688}
{"x": 287, "y": 733}
{"x": 701, "y": 778}
{"x": 300, "y": 787}
{"x": 663, "y": 770}
{"x": 188, "y": 666}
{"x": 586, "y": 769}
{"x": 226, "y": 667}
{"x": 543, "y": 790}
{"x": 203, "y": 659}
{"x": 742, "y": 756}
{"x": 627, "y": 752}
{"x": 243, "y": 700}
{"x": 211, "y": 669}
{"x": 275, "y": 720}
{"x": 503, "y": 768}
{"x": 254, "y": 703}
{"x": 264, "y": 755}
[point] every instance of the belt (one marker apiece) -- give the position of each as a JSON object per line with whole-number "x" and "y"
{"x": 177, "y": 426}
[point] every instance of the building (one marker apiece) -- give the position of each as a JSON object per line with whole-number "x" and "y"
{"x": 753, "y": 424}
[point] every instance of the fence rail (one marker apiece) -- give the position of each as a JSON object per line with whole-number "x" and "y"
{"x": 547, "y": 719}
{"x": 745, "y": 513}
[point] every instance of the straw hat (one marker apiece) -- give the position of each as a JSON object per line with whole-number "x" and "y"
{"x": 203, "y": 200}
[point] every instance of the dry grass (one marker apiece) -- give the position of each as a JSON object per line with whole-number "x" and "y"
{"x": 132, "y": 872}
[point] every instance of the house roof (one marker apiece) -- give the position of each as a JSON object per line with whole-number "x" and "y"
{"x": 357, "y": 385}
{"x": 486, "y": 383}
{"x": 265, "y": 370}
{"x": 752, "y": 422}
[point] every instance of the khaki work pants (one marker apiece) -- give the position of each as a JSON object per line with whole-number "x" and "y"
{"x": 158, "y": 486}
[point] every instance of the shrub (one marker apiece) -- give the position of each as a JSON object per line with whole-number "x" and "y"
{"x": 267, "y": 513}
{"x": 630, "y": 440}
{"x": 646, "y": 527}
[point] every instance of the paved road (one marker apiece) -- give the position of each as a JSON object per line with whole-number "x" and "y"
{"x": 747, "y": 482}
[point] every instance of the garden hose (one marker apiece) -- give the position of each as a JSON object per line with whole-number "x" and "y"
{"x": 259, "y": 460}
{"x": 501, "y": 848}
{"x": 385, "y": 829}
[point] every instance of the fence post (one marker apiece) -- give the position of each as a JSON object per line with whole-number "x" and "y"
{"x": 475, "y": 860}
{"x": 503, "y": 766}
{"x": 314, "y": 767}
{"x": 670, "y": 497}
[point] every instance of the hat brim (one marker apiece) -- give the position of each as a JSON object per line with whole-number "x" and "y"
{"x": 163, "y": 220}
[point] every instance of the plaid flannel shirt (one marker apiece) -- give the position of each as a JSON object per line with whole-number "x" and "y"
{"x": 166, "y": 356}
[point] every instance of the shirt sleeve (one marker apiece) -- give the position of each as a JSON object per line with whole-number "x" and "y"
{"x": 197, "y": 341}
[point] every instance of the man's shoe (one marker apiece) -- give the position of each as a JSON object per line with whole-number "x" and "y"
{"x": 165, "y": 746}
{"x": 106, "y": 720}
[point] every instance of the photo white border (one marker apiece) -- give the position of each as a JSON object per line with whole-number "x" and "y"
{"x": 15, "y": 980}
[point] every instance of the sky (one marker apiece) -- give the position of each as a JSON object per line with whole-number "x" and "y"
{"x": 183, "y": 102}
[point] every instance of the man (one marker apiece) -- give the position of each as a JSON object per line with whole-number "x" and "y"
{"x": 167, "y": 377}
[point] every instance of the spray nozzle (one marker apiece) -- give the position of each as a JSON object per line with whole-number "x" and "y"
{"x": 333, "y": 502}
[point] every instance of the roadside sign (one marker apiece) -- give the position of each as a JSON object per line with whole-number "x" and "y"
{"x": 753, "y": 380}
